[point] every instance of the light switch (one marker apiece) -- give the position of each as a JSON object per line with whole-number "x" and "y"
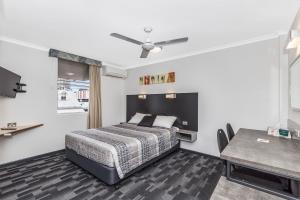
{"x": 185, "y": 123}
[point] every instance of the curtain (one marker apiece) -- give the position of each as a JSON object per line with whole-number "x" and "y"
{"x": 94, "y": 117}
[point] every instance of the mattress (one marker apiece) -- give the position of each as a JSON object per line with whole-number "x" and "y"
{"x": 124, "y": 146}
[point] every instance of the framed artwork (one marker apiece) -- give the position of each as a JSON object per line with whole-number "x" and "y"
{"x": 146, "y": 80}
{"x": 157, "y": 79}
{"x": 162, "y": 78}
{"x": 171, "y": 77}
{"x": 141, "y": 80}
{"x": 152, "y": 79}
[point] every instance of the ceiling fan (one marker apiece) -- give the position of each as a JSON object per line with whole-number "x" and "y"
{"x": 149, "y": 46}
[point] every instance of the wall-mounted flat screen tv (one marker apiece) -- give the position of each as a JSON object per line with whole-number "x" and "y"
{"x": 8, "y": 83}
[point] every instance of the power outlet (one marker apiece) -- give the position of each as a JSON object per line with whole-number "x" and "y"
{"x": 185, "y": 123}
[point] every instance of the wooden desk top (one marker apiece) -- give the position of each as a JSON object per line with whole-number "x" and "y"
{"x": 19, "y": 129}
{"x": 280, "y": 155}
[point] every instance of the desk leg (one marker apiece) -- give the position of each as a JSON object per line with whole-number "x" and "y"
{"x": 228, "y": 169}
{"x": 295, "y": 186}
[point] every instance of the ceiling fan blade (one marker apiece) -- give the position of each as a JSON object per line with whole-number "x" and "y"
{"x": 122, "y": 37}
{"x": 145, "y": 53}
{"x": 170, "y": 42}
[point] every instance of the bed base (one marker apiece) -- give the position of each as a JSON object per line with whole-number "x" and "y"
{"x": 107, "y": 174}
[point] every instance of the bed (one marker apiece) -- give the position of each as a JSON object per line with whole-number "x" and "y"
{"x": 116, "y": 152}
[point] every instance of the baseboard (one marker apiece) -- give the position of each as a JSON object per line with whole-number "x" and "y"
{"x": 211, "y": 156}
{"x": 45, "y": 154}
{"x": 30, "y": 158}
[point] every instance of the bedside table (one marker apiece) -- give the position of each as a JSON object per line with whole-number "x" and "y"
{"x": 186, "y": 135}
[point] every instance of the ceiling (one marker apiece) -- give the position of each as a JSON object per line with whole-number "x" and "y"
{"x": 83, "y": 26}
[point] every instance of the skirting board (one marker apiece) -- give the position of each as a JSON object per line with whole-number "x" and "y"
{"x": 30, "y": 158}
{"x": 45, "y": 154}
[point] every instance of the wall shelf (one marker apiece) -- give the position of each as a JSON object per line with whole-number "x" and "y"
{"x": 19, "y": 129}
{"x": 186, "y": 135}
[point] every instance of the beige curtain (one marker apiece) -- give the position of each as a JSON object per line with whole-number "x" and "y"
{"x": 95, "y": 118}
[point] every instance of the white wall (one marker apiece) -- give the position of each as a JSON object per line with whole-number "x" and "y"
{"x": 39, "y": 104}
{"x": 284, "y": 82}
{"x": 295, "y": 87}
{"x": 113, "y": 100}
{"x": 294, "y": 114}
{"x": 240, "y": 85}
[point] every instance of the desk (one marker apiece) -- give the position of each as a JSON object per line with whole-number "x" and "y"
{"x": 280, "y": 156}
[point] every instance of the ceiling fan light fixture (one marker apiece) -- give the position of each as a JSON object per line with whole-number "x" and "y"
{"x": 148, "y": 29}
{"x": 156, "y": 50}
{"x": 148, "y": 46}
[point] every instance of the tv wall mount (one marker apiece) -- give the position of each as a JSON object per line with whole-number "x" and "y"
{"x": 20, "y": 88}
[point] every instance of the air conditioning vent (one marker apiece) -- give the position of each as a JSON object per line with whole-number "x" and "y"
{"x": 114, "y": 72}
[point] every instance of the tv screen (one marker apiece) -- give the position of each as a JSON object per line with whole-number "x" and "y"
{"x": 8, "y": 82}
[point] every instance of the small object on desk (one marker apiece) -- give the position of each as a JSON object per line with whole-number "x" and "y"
{"x": 273, "y": 131}
{"x": 186, "y": 135}
{"x": 284, "y": 133}
{"x": 262, "y": 140}
{"x": 279, "y": 132}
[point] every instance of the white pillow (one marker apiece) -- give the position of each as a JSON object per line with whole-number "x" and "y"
{"x": 137, "y": 118}
{"x": 164, "y": 121}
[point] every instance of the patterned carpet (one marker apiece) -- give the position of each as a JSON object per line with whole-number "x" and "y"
{"x": 182, "y": 175}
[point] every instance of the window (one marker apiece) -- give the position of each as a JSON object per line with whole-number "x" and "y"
{"x": 72, "y": 87}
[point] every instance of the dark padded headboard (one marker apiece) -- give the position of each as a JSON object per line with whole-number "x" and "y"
{"x": 184, "y": 106}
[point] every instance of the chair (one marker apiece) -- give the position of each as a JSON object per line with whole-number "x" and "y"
{"x": 230, "y": 131}
{"x": 222, "y": 140}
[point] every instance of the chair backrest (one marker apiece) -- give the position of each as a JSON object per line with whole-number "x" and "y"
{"x": 230, "y": 131}
{"x": 222, "y": 140}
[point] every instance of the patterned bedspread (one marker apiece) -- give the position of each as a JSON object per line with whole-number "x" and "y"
{"x": 123, "y": 146}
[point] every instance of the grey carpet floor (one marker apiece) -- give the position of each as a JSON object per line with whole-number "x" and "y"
{"x": 182, "y": 175}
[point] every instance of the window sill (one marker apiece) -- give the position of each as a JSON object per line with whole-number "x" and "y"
{"x": 71, "y": 111}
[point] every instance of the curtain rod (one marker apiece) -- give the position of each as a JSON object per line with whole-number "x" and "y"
{"x": 72, "y": 57}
